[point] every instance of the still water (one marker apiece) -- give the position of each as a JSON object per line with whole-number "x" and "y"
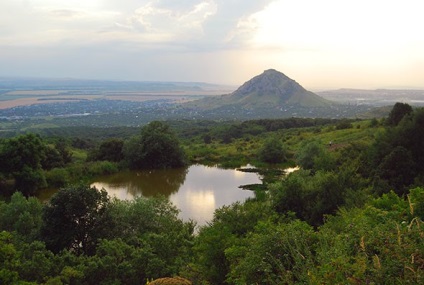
{"x": 197, "y": 190}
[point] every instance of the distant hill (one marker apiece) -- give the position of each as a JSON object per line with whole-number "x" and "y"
{"x": 271, "y": 89}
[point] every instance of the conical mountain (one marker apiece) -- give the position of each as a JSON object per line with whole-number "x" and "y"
{"x": 271, "y": 89}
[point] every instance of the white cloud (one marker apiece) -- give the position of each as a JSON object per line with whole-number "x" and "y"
{"x": 164, "y": 24}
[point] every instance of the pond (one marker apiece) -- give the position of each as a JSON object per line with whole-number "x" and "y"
{"x": 197, "y": 190}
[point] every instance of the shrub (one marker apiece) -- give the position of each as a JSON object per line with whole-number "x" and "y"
{"x": 57, "y": 177}
{"x": 102, "y": 168}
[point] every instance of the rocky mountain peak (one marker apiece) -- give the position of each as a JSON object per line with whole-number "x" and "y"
{"x": 270, "y": 90}
{"x": 270, "y": 81}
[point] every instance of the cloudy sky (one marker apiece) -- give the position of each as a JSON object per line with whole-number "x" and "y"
{"x": 319, "y": 43}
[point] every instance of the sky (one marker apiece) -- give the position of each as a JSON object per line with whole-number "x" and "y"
{"x": 322, "y": 44}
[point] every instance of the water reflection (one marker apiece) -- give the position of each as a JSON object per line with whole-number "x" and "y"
{"x": 130, "y": 184}
{"x": 197, "y": 191}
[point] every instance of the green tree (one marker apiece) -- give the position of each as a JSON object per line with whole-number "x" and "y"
{"x": 57, "y": 155}
{"x": 399, "y": 145}
{"x": 110, "y": 150}
{"x": 22, "y": 216}
{"x": 22, "y": 157}
{"x": 397, "y": 113}
{"x": 310, "y": 197}
{"x": 272, "y": 151}
{"x": 230, "y": 223}
{"x": 313, "y": 156}
{"x": 9, "y": 262}
{"x": 157, "y": 147}
{"x": 398, "y": 169}
{"x": 24, "y": 150}
{"x": 29, "y": 180}
{"x": 62, "y": 147}
{"x": 75, "y": 218}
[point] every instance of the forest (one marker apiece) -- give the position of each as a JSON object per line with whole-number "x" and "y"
{"x": 352, "y": 214}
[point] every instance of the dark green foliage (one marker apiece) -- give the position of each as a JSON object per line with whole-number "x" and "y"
{"x": 229, "y": 224}
{"x": 207, "y": 139}
{"x": 157, "y": 147}
{"x": 83, "y": 143}
{"x": 373, "y": 123}
{"x": 28, "y": 180}
{"x": 272, "y": 151}
{"x": 273, "y": 254}
{"x": 398, "y": 169}
{"x": 314, "y": 156}
{"x": 344, "y": 124}
{"x": 110, "y": 150}
{"x": 21, "y": 215}
{"x": 117, "y": 262}
{"x": 25, "y": 157}
{"x": 309, "y": 151}
{"x": 52, "y": 158}
{"x": 378, "y": 244}
{"x": 57, "y": 177}
{"x": 399, "y": 111}
{"x": 63, "y": 149}
{"x": 397, "y": 157}
{"x": 280, "y": 124}
{"x": 416, "y": 202}
{"x": 157, "y": 241}
{"x": 310, "y": 197}
{"x": 101, "y": 168}
{"x": 23, "y": 151}
{"x": 21, "y": 158}
{"x": 75, "y": 218}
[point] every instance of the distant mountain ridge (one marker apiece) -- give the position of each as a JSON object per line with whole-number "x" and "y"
{"x": 271, "y": 89}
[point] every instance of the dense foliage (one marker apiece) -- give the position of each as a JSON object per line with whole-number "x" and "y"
{"x": 353, "y": 213}
{"x": 156, "y": 147}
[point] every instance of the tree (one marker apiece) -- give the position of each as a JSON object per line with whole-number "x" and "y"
{"x": 22, "y": 216}
{"x": 310, "y": 197}
{"x": 398, "y": 169}
{"x": 314, "y": 156}
{"x": 157, "y": 147}
{"x": 75, "y": 218}
{"x": 25, "y": 150}
{"x": 29, "y": 180}
{"x": 272, "y": 151}
{"x": 399, "y": 111}
{"x": 110, "y": 149}
{"x": 22, "y": 158}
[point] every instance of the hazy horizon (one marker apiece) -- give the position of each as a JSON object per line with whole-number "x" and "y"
{"x": 323, "y": 45}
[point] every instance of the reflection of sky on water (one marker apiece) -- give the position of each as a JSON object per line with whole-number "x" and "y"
{"x": 203, "y": 190}
{"x": 119, "y": 191}
{"x": 209, "y": 188}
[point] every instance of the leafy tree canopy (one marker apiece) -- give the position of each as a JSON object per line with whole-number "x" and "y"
{"x": 156, "y": 147}
{"x": 272, "y": 151}
{"x": 399, "y": 111}
{"x": 75, "y": 218}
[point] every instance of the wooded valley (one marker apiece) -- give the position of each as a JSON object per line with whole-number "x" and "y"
{"x": 352, "y": 214}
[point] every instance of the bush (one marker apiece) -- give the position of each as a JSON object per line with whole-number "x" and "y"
{"x": 57, "y": 177}
{"x": 102, "y": 168}
{"x": 272, "y": 151}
